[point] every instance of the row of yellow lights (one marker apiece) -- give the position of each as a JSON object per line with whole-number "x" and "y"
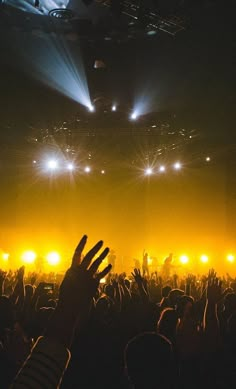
{"x": 53, "y": 258}
{"x": 29, "y": 257}
{"x": 184, "y": 259}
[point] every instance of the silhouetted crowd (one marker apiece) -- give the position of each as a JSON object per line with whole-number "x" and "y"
{"x": 97, "y": 329}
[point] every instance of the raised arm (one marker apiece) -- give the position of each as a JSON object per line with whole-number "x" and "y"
{"x": 50, "y": 356}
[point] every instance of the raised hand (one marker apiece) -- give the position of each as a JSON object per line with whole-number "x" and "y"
{"x": 214, "y": 288}
{"x": 137, "y": 276}
{"x": 82, "y": 278}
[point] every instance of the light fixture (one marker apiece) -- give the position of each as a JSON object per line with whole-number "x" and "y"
{"x": 52, "y": 164}
{"x": 162, "y": 169}
{"x": 148, "y": 171}
{"x": 53, "y": 258}
{"x": 87, "y": 169}
{"x": 177, "y": 166}
{"x": 29, "y": 257}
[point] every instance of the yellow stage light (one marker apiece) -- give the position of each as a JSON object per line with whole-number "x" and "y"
{"x": 177, "y": 166}
{"x": 29, "y": 257}
{"x": 204, "y": 258}
{"x": 5, "y": 256}
{"x": 148, "y": 171}
{"x": 184, "y": 259}
{"x": 149, "y": 261}
{"x": 230, "y": 258}
{"x": 53, "y": 258}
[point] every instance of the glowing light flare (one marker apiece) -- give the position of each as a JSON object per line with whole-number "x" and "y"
{"x": 148, "y": 171}
{"x": 177, "y": 166}
{"x": 91, "y": 108}
{"x": 149, "y": 261}
{"x": 70, "y": 166}
{"x": 113, "y": 108}
{"x": 133, "y": 115}
{"x": 29, "y": 257}
{"x": 162, "y": 169}
{"x": 5, "y": 256}
{"x": 208, "y": 159}
{"x": 184, "y": 259}
{"x": 52, "y": 164}
{"x": 204, "y": 258}
{"x": 53, "y": 258}
{"x": 87, "y": 169}
{"x": 102, "y": 171}
{"x": 230, "y": 258}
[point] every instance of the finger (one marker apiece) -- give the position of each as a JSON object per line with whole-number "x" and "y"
{"x": 89, "y": 256}
{"x": 103, "y": 273}
{"x": 78, "y": 252}
{"x": 95, "y": 265}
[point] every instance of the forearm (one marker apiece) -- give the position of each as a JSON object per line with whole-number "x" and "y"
{"x": 45, "y": 366}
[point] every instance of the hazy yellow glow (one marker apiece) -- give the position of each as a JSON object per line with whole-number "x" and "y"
{"x": 53, "y": 258}
{"x": 29, "y": 257}
{"x": 184, "y": 259}
{"x": 230, "y": 257}
{"x": 5, "y": 256}
{"x": 149, "y": 261}
{"x": 204, "y": 258}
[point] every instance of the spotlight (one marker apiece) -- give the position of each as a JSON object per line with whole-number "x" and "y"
{"x": 208, "y": 159}
{"x": 133, "y": 116}
{"x": 70, "y": 166}
{"x": 29, "y": 257}
{"x": 230, "y": 258}
{"x": 162, "y": 169}
{"x": 102, "y": 171}
{"x": 52, "y": 164}
{"x": 91, "y": 108}
{"x": 87, "y": 169}
{"x": 148, "y": 171}
{"x": 184, "y": 259}
{"x": 204, "y": 258}
{"x": 113, "y": 108}
{"x": 34, "y": 161}
{"x": 177, "y": 166}
{"x": 53, "y": 258}
{"x": 5, "y": 256}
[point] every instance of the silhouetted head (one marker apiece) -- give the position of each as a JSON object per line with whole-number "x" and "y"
{"x": 165, "y": 291}
{"x": 167, "y": 324}
{"x": 184, "y": 306}
{"x": 149, "y": 361}
{"x": 6, "y": 313}
{"x": 174, "y": 296}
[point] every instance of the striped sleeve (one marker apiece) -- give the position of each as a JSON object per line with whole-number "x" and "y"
{"x": 45, "y": 366}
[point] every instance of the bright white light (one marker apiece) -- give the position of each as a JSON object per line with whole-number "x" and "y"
{"x": 208, "y": 159}
{"x": 113, "y": 108}
{"x": 34, "y": 162}
{"x": 91, "y": 108}
{"x": 133, "y": 116}
{"x": 87, "y": 169}
{"x": 230, "y": 258}
{"x": 204, "y": 258}
{"x": 52, "y": 164}
{"x": 184, "y": 259}
{"x": 5, "y": 256}
{"x": 29, "y": 257}
{"x": 70, "y": 166}
{"x": 177, "y": 166}
{"x": 148, "y": 171}
{"x": 53, "y": 258}
{"x": 162, "y": 169}
{"x": 102, "y": 171}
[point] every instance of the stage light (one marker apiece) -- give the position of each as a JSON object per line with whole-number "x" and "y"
{"x": 53, "y": 258}
{"x": 208, "y": 159}
{"x": 177, "y": 166}
{"x": 70, "y": 166}
{"x": 102, "y": 171}
{"x": 149, "y": 261}
{"x": 102, "y": 280}
{"x": 29, "y": 257}
{"x": 87, "y": 169}
{"x": 5, "y": 256}
{"x": 230, "y": 258}
{"x": 34, "y": 162}
{"x": 184, "y": 259}
{"x": 148, "y": 171}
{"x": 133, "y": 116}
{"x": 204, "y": 258}
{"x": 113, "y": 108}
{"x": 91, "y": 108}
{"x": 162, "y": 169}
{"x": 52, "y": 164}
